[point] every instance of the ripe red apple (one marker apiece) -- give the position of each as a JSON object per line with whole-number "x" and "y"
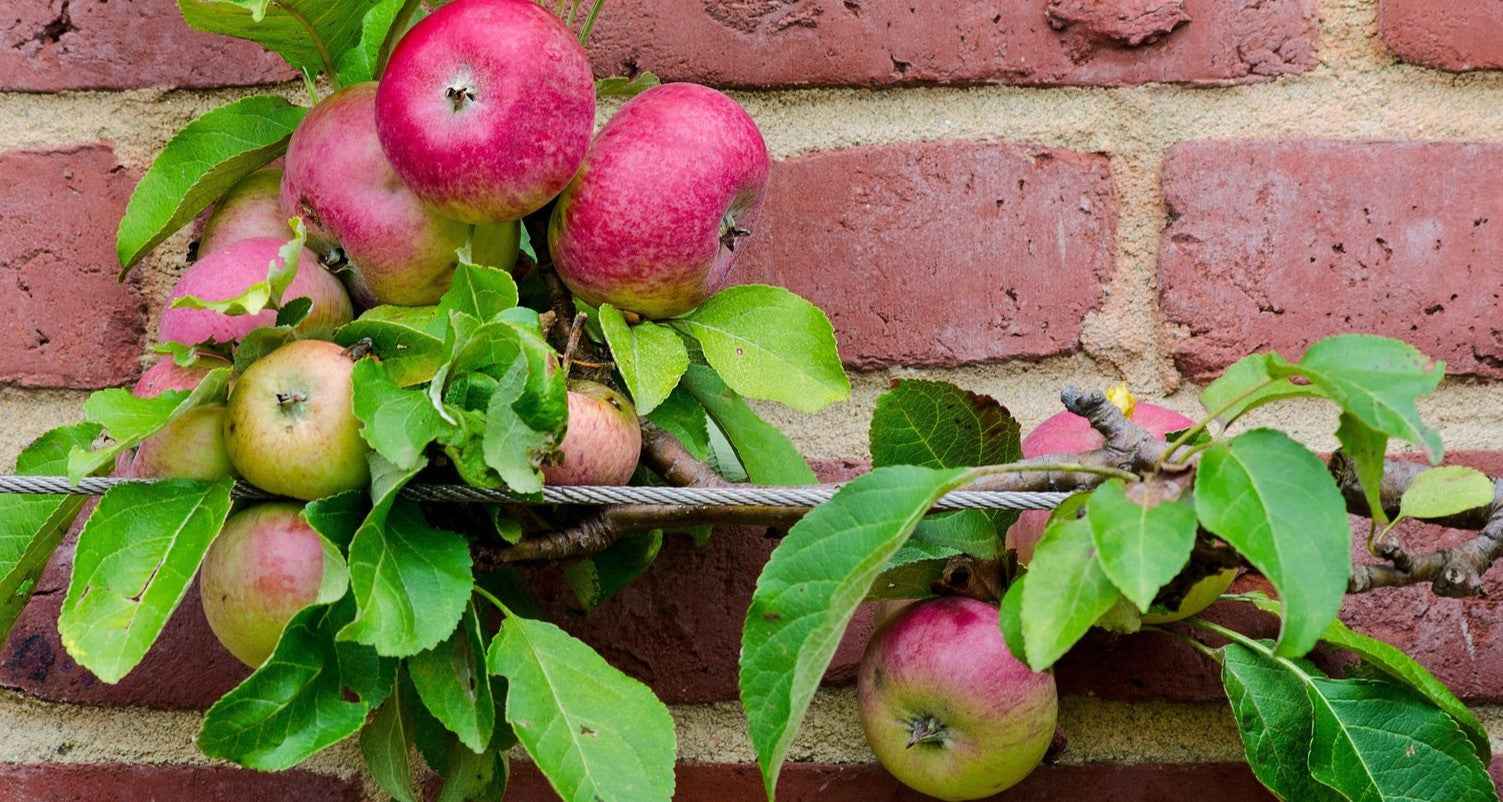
{"x": 667, "y": 196}
{"x": 191, "y": 447}
{"x": 266, "y": 565}
{"x": 227, "y": 272}
{"x": 291, "y": 427}
{"x": 251, "y": 208}
{"x": 337, "y": 179}
{"x": 486, "y": 108}
{"x": 946, "y": 707}
{"x": 603, "y": 441}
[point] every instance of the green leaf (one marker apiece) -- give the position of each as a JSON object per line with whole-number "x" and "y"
{"x": 1366, "y": 447}
{"x": 399, "y": 424}
{"x": 32, "y": 526}
{"x": 284, "y": 28}
{"x": 360, "y": 63}
{"x": 336, "y": 518}
{"x": 512, "y": 448}
{"x": 1066, "y": 591}
{"x": 200, "y": 162}
{"x": 129, "y": 419}
{"x": 684, "y": 417}
{"x": 939, "y": 425}
{"x": 1377, "y": 741}
{"x": 1250, "y": 383}
{"x": 454, "y": 685}
{"x": 968, "y": 531}
{"x": 402, "y": 337}
{"x": 602, "y": 576}
{"x": 1010, "y": 618}
{"x": 1276, "y": 504}
{"x": 1376, "y": 379}
{"x": 1447, "y": 490}
{"x": 767, "y": 454}
{"x": 595, "y": 733}
{"x": 650, "y": 357}
{"x": 259, "y": 343}
{"x": 1143, "y": 535}
{"x": 810, "y": 588}
{"x": 1276, "y": 721}
{"x": 262, "y": 294}
{"x": 386, "y": 742}
{"x": 620, "y": 86}
{"x": 309, "y": 694}
{"x": 481, "y": 292}
{"x": 768, "y": 343}
{"x": 910, "y": 574}
{"x": 135, "y": 559}
{"x": 293, "y": 312}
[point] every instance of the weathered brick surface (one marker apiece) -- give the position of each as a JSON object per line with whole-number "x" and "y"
{"x": 941, "y": 253}
{"x": 116, "y": 782}
{"x": 1277, "y": 244}
{"x": 1446, "y": 34}
{"x": 52, "y": 45}
{"x": 805, "y": 782}
{"x": 786, "y": 43}
{"x": 64, "y": 321}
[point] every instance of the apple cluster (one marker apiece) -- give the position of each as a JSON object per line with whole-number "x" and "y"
{"x": 485, "y": 114}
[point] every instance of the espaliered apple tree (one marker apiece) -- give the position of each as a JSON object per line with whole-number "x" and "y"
{"x": 535, "y": 306}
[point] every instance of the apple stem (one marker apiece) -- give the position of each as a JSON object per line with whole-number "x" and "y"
{"x": 730, "y": 235}
{"x": 927, "y": 730}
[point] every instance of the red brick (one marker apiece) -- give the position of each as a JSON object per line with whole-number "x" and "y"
{"x": 64, "y": 321}
{"x": 786, "y": 43}
{"x": 52, "y": 45}
{"x": 805, "y": 782}
{"x": 1273, "y": 245}
{"x": 116, "y": 782}
{"x": 941, "y": 253}
{"x": 1454, "y": 35}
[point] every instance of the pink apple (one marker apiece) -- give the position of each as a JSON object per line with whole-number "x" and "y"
{"x": 337, "y": 179}
{"x": 603, "y": 441}
{"x": 191, "y": 447}
{"x": 486, "y": 108}
{"x": 265, "y": 566}
{"x": 669, "y": 193}
{"x": 291, "y": 427}
{"x": 946, "y": 707}
{"x": 227, "y": 272}
{"x": 251, "y": 208}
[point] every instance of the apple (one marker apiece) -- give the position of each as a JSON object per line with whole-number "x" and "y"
{"x": 266, "y": 564}
{"x": 1201, "y": 595}
{"x": 290, "y": 425}
{"x": 603, "y": 441}
{"x": 251, "y": 208}
{"x": 191, "y": 447}
{"x": 946, "y": 707}
{"x": 227, "y": 273}
{"x": 486, "y": 108}
{"x": 668, "y": 194}
{"x": 337, "y": 179}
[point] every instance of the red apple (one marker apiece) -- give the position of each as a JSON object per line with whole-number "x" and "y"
{"x": 486, "y": 108}
{"x": 227, "y": 272}
{"x": 191, "y": 447}
{"x": 946, "y": 707}
{"x": 265, "y": 566}
{"x": 291, "y": 427}
{"x": 251, "y": 208}
{"x": 667, "y": 196}
{"x": 337, "y": 179}
{"x": 603, "y": 441}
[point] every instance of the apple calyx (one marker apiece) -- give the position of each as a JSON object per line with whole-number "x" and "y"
{"x": 459, "y": 95}
{"x": 730, "y": 232}
{"x": 288, "y": 399}
{"x": 927, "y": 729}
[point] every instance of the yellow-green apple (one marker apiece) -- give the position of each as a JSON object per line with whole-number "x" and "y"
{"x": 486, "y": 108}
{"x": 400, "y": 250}
{"x": 946, "y": 707}
{"x": 603, "y": 440}
{"x": 228, "y": 272}
{"x": 191, "y": 447}
{"x": 266, "y": 565}
{"x": 290, "y": 426}
{"x": 668, "y": 193}
{"x": 251, "y": 208}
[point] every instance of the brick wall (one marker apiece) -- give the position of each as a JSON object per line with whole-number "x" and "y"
{"x": 1009, "y": 195}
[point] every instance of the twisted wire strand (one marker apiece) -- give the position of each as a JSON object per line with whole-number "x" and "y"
{"x": 704, "y": 496}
